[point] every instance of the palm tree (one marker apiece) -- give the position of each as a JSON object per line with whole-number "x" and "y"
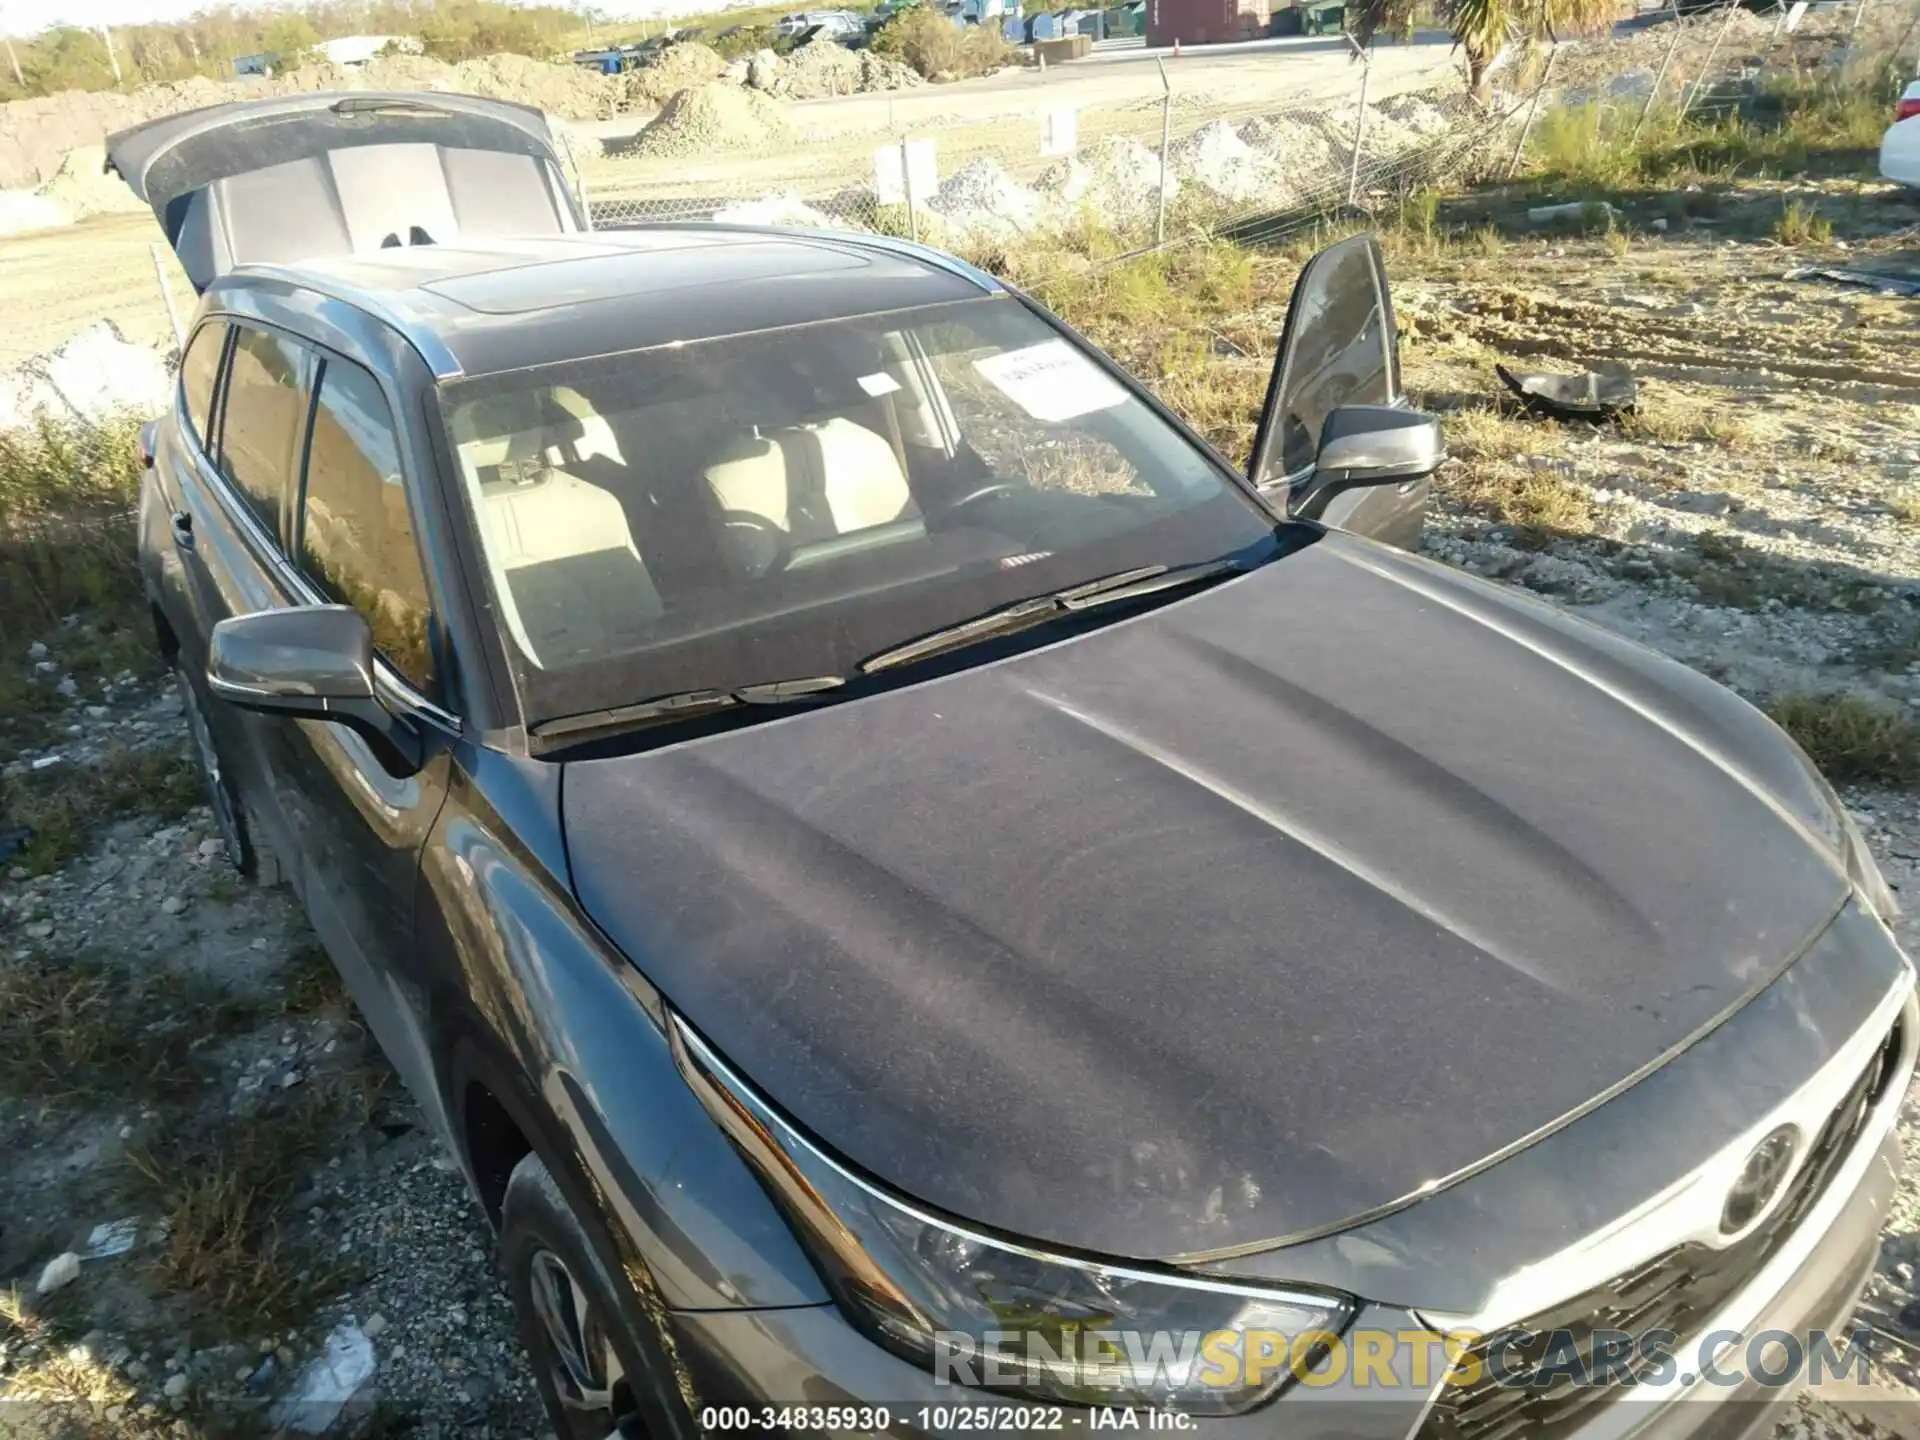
{"x": 1483, "y": 28}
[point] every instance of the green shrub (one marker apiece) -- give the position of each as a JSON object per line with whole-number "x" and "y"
{"x": 940, "y": 50}
{"x": 750, "y": 40}
{"x": 67, "y": 492}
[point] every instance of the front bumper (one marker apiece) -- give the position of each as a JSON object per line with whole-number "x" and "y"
{"x": 1818, "y": 1296}
{"x": 749, "y": 1365}
{"x": 747, "y": 1370}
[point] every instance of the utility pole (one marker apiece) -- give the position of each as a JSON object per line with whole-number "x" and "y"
{"x": 14, "y": 60}
{"x": 106, "y": 39}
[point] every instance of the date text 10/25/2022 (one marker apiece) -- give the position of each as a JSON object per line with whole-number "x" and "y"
{"x": 1361, "y": 1362}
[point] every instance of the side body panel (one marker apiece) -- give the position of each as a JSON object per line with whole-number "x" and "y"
{"x": 206, "y": 558}
{"x": 530, "y": 1002}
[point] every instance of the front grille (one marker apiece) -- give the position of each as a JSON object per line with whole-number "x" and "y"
{"x": 1677, "y": 1291}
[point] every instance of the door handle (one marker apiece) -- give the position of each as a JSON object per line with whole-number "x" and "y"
{"x": 183, "y": 529}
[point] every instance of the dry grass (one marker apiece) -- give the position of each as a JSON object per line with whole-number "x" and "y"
{"x": 225, "y": 1199}
{"x": 65, "y": 803}
{"x": 1676, "y": 415}
{"x": 66, "y": 1376}
{"x": 83, "y": 1028}
{"x": 1800, "y": 223}
{"x": 1485, "y": 433}
{"x": 66, "y": 522}
{"x": 1905, "y": 507}
{"x": 1851, "y": 738}
{"x": 1510, "y": 471}
{"x": 1539, "y": 504}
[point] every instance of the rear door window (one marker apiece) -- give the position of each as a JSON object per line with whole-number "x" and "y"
{"x": 199, "y": 373}
{"x": 262, "y": 419}
{"x": 356, "y": 537}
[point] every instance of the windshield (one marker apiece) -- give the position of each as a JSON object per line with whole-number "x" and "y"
{"x": 743, "y": 511}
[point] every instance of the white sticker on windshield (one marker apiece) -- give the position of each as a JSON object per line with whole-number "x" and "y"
{"x": 1051, "y": 381}
{"x": 879, "y": 383}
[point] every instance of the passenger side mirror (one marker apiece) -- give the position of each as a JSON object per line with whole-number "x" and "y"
{"x": 309, "y": 662}
{"x": 1362, "y": 445}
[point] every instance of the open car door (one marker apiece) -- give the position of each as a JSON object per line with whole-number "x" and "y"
{"x": 300, "y": 176}
{"x": 1336, "y": 441}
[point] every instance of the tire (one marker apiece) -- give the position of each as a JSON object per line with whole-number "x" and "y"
{"x": 592, "y": 1369}
{"x": 223, "y": 797}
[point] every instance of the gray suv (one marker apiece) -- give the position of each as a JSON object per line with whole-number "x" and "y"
{"x": 924, "y": 899}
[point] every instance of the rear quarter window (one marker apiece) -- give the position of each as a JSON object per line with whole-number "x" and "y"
{"x": 262, "y": 419}
{"x": 199, "y": 371}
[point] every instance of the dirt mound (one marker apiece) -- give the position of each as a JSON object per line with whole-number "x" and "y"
{"x": 1217, "y": 160}
{"x": 775, "y": 210}
{"x": 568, "y": 92}
{"x": 824, "y": 68}
{"x": 714, "y": 117}
{"x": 24, "y": 210}
{"x": 35, "y": 135}
{"x": 675, "y": 68}
{"x": 84, "y": 187}
{"x": 1116, "y": 179}
{"x": 97, "y": 373}
{"x": 982, "y": 202}
{"x": 1298, "y": 144}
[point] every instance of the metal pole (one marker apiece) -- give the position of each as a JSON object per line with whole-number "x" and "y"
{"x": 1706, "y": 69}
{"x": 1166, "y": 138}
{"x": 906, "y": 187}
{"x": 106, "y": 39}
{"x": 1359, "y": 127}
{"x": 1853, "y": 30}
{"x": 579, "y": 181}
{"x": 1659, "y": 78}
{"x": 1533, "y": 109}
{"x": 166, "y": 293}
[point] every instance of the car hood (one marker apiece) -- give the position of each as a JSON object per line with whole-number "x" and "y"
{"x": 1227, "y": 924}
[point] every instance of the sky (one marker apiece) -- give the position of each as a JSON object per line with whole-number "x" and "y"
{"x": 30, "y": 17}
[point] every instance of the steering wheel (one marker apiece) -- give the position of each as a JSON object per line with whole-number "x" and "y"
{"x": 978, "y": 496}
{"x": 766, "y": 534}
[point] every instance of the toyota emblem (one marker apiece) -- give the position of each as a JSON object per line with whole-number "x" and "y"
{"x": 1768, "y": 1165}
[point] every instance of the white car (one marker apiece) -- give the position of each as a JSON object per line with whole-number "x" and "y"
{"x": 1900, "y": 146}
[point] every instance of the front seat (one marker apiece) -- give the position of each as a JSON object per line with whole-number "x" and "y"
{"x": 563, "y": 560}
{"x": 804, "y": 483}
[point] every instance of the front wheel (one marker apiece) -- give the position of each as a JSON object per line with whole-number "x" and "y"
{"x": 588, "y": 1364}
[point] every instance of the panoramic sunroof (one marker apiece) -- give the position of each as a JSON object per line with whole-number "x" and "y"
{"x": 524, "y": 289}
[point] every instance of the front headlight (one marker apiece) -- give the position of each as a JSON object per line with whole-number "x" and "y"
{"x": 983, "y": 1311}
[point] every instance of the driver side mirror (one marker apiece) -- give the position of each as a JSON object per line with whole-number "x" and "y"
{"x": 309, "y": 662}
{"x": 1362, "y": 445}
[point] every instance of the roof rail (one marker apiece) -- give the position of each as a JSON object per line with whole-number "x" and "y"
{"x": 432, "y": 349}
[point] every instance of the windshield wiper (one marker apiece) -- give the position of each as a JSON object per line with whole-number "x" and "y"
{"x": 683, "y": 705}
{"x": 1009, "y": 619}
